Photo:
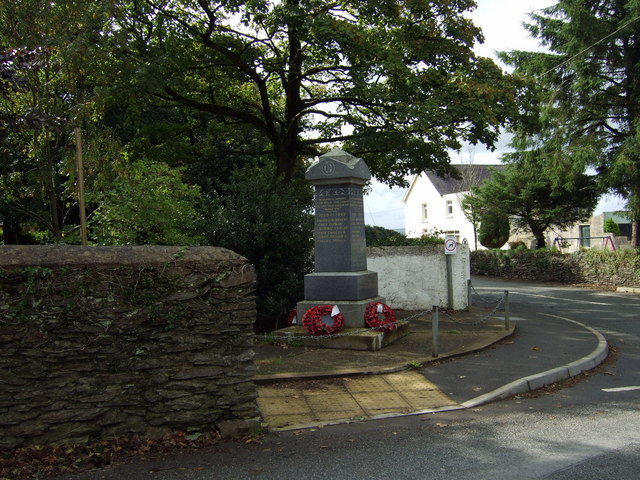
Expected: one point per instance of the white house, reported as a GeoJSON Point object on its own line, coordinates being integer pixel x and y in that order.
{"type": "Point", "coordinates": [433, 203]}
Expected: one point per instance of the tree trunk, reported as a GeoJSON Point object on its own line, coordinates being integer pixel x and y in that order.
{"type": "Point", "coordinates": [635, 233]}
{"type": "Point", "coordinates": [540, 240]}
{"type": "Point", "coordinates": [288, 157]}
{"type": "Point", "coordinates": [10, 231]}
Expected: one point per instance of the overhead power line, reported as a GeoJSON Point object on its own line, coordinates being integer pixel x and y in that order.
{"type": "Point", "coordinates": [591, 46]}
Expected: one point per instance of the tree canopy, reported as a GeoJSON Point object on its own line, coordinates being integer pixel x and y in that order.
{"type": "Point", "coordinates": [587, 88]}
{"type": "Point", "coordinates": [395, 82]}
{"type": "Point", "coordinates": [534, 198]}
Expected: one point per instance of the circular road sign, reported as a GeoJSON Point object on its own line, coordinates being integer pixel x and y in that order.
{"type": "Point", "coordinates": [450, 246]}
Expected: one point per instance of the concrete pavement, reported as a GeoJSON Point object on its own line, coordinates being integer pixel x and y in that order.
{"type": "Point", "coordinates": [479, 361]}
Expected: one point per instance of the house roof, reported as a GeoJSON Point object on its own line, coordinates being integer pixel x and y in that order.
{"type": "Point", "coordinates": [471, 175]}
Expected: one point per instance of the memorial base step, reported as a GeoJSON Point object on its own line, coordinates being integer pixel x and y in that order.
{"type": "Point", "coordinates": [348, 339]}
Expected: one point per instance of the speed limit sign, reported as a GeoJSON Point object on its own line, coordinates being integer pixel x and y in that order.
{"type": "Point", "coordinates": [450, 246]}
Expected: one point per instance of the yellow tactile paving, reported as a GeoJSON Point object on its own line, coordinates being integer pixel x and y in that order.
{"type": "Point", "coordinates": [382, 402]}
{"type": "Point", "coordinates": [367, 384]}
{"type": "Point", "coordinates": [409, 381]}
{"type": "Point", "coordinates": [373, 400]}
{"type": "Point", "coordinates": [325, 390]}
{"type": "Point", "coordinates": [331, 402]}
{"type": "Point", "coordinates": [347, 398]}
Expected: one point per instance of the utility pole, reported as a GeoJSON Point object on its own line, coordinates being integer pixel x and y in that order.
{"type": "Point", "coordinates": [80, 175]}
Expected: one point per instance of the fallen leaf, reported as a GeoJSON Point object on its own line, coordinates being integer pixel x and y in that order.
{"type": "Point", "coordinates": [462, 376]}
{"type": "Point", "coordinates": [477, 389]}
{"type": "Point", "coordinates": [536, 348]}
{"type": "Point", "coordinates": [442, 425]}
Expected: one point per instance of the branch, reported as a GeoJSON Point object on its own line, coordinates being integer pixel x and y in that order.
{"type": "Point", "coordinates": [226, 111]}
{"type": "Point", "coordinates": [316, 141]}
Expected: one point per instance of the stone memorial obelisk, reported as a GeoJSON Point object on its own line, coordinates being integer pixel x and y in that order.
{"type": "Point", "coordinates": [340, 276]}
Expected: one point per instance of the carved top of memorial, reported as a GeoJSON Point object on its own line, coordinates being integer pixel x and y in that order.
{"type": "Point", "coordinates": [338, 166]}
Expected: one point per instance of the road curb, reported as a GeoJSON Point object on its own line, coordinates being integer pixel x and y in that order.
{"type": "Point", "coordinates": [539, 380]}
{"type": "Point", "coordinates": [628, 289]}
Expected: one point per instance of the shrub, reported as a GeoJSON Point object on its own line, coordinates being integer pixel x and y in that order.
{"type": "Point", "coordinates": [610, 226]}
{"type": "Point", "coordinates": [270, 224]}
{"type": "Point", "coordinates": [517, 245]}
{"type": "Point", "coordinates": [494, 230]}
{"type": "Point", "coordinates": [383, 237]}
{"type": "Point", "coordinates": [148, 204]}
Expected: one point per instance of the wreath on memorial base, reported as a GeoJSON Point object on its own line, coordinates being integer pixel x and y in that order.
{"type": "Point", "coordinates": [314, 323]}
{"type": "Point", "coordinates": [292, 317]}
{"type": "Point", "coordinates": [372, 318]}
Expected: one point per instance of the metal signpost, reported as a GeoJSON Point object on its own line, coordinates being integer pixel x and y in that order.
{"type": "Point", "coordinates": [450, 248]}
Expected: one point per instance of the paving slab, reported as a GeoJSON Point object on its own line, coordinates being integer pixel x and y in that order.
{"type": "Point", "coordinates": [304, 402]}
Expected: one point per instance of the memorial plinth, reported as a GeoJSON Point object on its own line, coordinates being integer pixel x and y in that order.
{"type": "Point", "coordinates": [340, 276]}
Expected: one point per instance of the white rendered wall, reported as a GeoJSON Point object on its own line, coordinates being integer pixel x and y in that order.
{"type": "Point", "coordinates": [415, 278]}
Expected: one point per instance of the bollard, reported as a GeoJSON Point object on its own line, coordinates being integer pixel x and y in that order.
{"type": "Point", "coordinates": [507, 323]}
{"type": "Point", "coordinates": [469, 294]}
{"type": "Point", "coordinates": [435, 330]}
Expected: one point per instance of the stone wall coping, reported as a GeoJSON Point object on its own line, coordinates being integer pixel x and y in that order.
{"type": "Point", "coordinates": [419, 250]}
{"type": "Point", "coordinates": [43, 255]}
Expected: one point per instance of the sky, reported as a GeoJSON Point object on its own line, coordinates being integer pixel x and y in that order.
{"type": "Point", "coordinates": [501, 23]}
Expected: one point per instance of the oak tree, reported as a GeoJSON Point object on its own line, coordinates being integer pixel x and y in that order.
{"type": "Point", "coordinates": [395, 82]}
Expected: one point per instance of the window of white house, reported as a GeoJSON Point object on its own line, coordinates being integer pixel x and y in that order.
{"type": "Point", "coordinates": [449, 208]}
{"type": "Point", "coordinates": [452, 233]}
{"type": "Point", "coordinates": [424, 212]}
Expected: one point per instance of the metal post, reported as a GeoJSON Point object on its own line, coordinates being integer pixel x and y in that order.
{"type": "Point", "coordinates": [435, 330]}
{"type": "Point", "coordinates": [507, 323]}
{"type": "Point", "coordinates": [450, 280]}
{"type": "Point", "coordinates": [469, 294]}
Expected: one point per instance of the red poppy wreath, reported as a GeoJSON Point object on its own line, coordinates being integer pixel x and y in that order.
{"type": "Point", "coordinates": [291, 319]}
{"type": "Point", "coordinates": [372, 317]}
{"type": "Point", "coordinates": [320, 321]}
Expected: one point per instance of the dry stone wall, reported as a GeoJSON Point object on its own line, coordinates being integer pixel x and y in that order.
{"type": "Point", "coordinates": [595, 266]}
{"type": "Point", "coordinates": [97, 342]}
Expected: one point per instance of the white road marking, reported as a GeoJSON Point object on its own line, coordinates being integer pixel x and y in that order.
{"type": "Point", "coordinates": [560, 299]}
{"type": "Point", "coordinates": [620, 389]}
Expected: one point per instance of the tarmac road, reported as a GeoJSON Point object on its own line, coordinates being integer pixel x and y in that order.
{"type": "Point", "coordinates": [584, 431]}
